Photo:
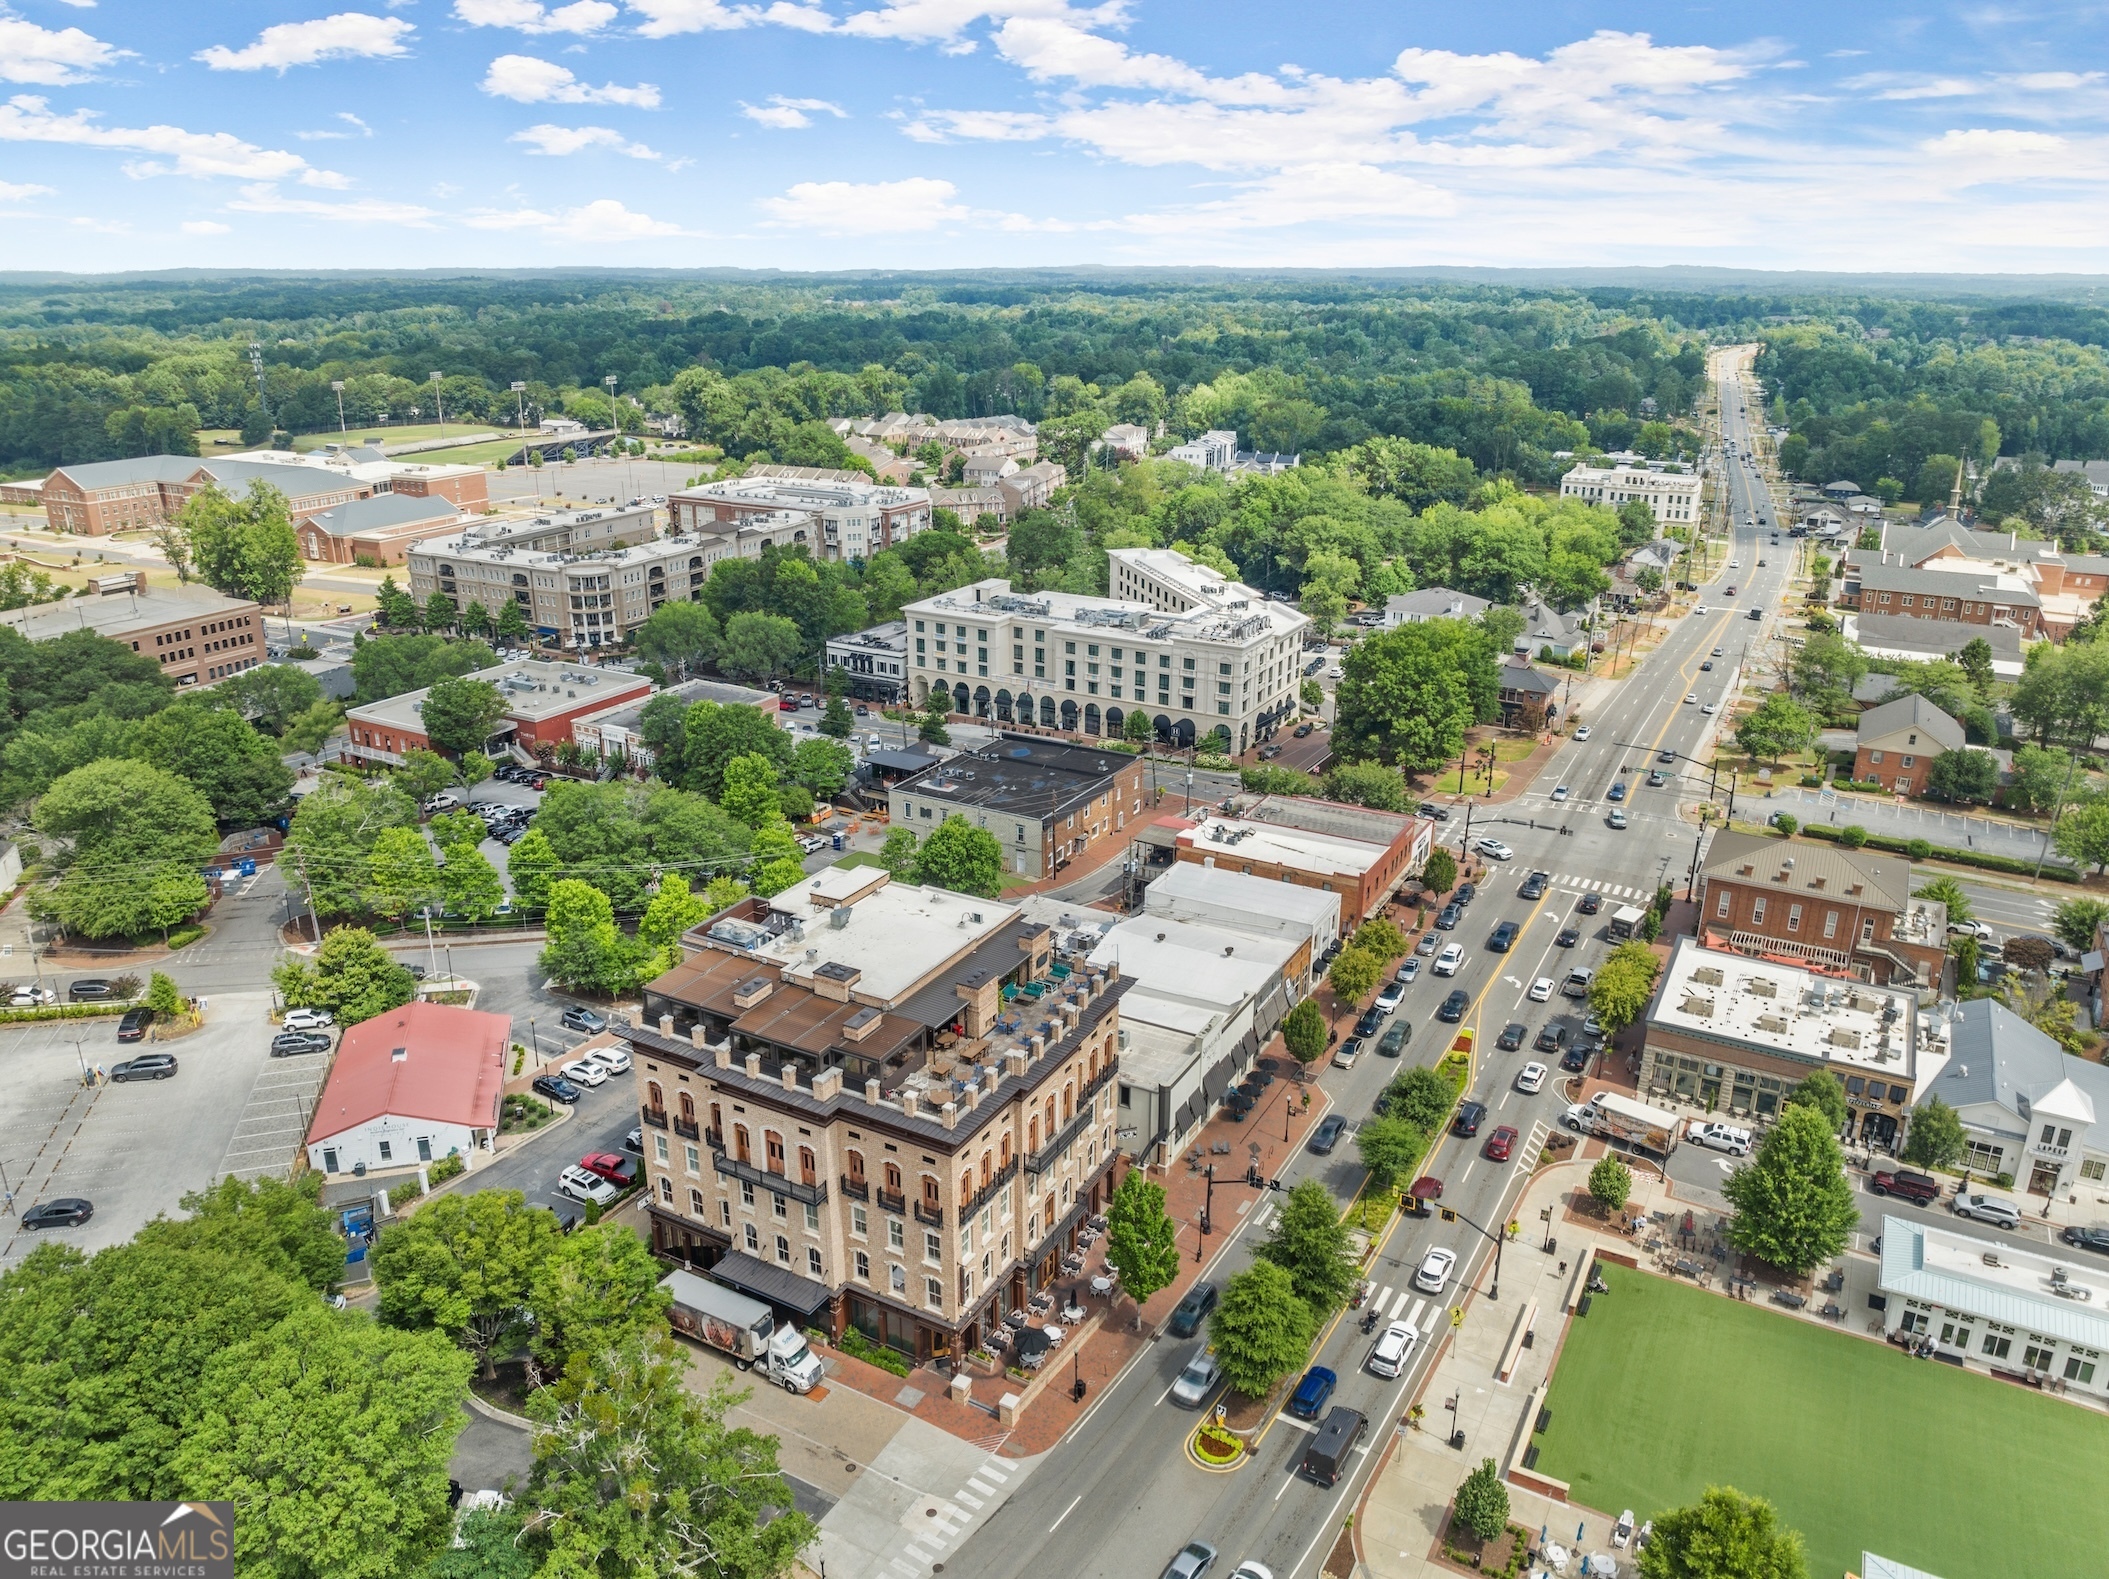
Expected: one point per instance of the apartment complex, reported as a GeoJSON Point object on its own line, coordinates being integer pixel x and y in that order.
{"type": "Point", "coordinates": [194, 633]}
{"type": "Point", "coordinates": [1176, 641]}
{"type": "Point", "coordinates": [998, 486]}
{"type": "Point", "coordinates": [583, 578]}
{"type": "Point", "coordinates": [834, 515]}
{"type": "Point", "coordinates": [1673, 496]}
{"type": "Point", "coordinates": [1047, 802]}
{"type": "Point", "coordinates": [878, 1105]}
{"type": "Point", "coordinates": [543, 705]}
{"type": "Point", "coordinates": [1845, 911]}
{"type": "Point", "coordinates": [1729, 1032]}
{"type": "Point", "coordinates": [1362, 856]}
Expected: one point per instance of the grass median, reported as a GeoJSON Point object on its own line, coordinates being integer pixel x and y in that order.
{"type": "Point", "coordinates": [1663, 1390]}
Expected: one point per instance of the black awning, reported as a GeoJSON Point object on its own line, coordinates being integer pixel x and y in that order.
{"type": "Point", "coordinates": [1217, 1080]}
{"type": "Point", "coordinates": [778, 1285]}
{"type": "Point", "coordinates": [1189, 1110]}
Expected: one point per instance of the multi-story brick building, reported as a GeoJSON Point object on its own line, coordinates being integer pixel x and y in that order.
{"type": "Point", "coordinates": [1047, 802]}
{"type": "Point", "coordinates": [1970, 595]}
{"type": "Point", "coordinates": [1176, 640]}
{"type": "Point", "coordinates": [133, 495]}
{"type": "Point", "coordinates": [1359, 854]}
{"type": "Point", "coordinates": [1899, 741]}
{"type": "Point", "coordinates": [877, 1105]}
{"type": "Point", "coordinates": [1850, 911]}
{"type": "Point", "coordinates": [543, 705]}
{"type": "Point", "coordinates": [380, 530]}
{"type": "Point", "coordinates": [195, 634]}
{"type": "Point", "coordinates": [2066, 587]}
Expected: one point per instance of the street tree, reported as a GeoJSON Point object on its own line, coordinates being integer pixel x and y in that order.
{"type": "Point", "coordinates": [755, 646]}
{"type": "Point", "coordinates": [164, 997]}
{"type": "Point", "coordinates": [440, 614]}
{"type": "Point", "coordinates": [1622, 986]}
{"type": "Point", "coordinates": [401, 875]}
{"type": "Point", "coordinates": [351, 975]}
{"type": "Point", "coordinates": [469, 884]}
{"type": "Point", "coordinates": [714, 734]}
{"type": "Point", "coordinates": [533, 866]}
{"type": "Point", "coordinates": [136, 838]}
{"type": "Point", "coordinates": [1778, 727]}
{"type": "Point", "coordinates": [1382, 937]}
{"type": "Point", "coordinates": [2082, 835]}
{"type": "Point", "coordinates": [585, 951]}
{"type": "Point", "coordinates": [466, 1265]}
{"type": "Point", "coordinates": [1610, 1182]}
{"type": "Point", "coordinates": [1482, 1501]}
{"type": "Point", "coordinates": [1304, 1032]}
{"type": "Point", "coordinates": [1391, 1149]}
{"type": "Point", "coordinates": [673, 910]}
{"type": "Point", "coordinates": [1421, 1097]}
{"type": "Point", "coordinates": [596, 1289]}
{"type": "Point", "coordinates": [1794, 1205]}
{"type": "Point", "coordinates": [1310, 1243]}
{"type": "Point", "coordinates": [836, 720]}
{"type": "Point", "coordinates": [1262, 1329]}
{"type": "Point", "coordinates": [1936, 1139]}
{"type": "Point", "coordinates": [962, 857]}
{"type": "Point", "coordinates": [1142, 1242]}
{"type": "Point", "coordinates": [1439, 872]}
{"type": "Point", "coordinates": [1353, 973]}
{"type": "Point", "coordinates": [1724, 1535]}
{"type": "Point", "coordinates": [634, 1473]}
{"type": "Point", "coordinates": [1819, 1089]}
{"type": "Point", "coordinates": [460, 714]}
{"type": "Point", "coordinates": [511, 623]}
{"type": "Point", "coordinates": [2077, 922]}
{"type": "Point", "coordinates": [681, 637]}
{"type": "Point", "coordinates": [1137, 729]}
{"type": "Point", "coordinates": [930, 727]}
{"type": "Point", "coordinates": [332, 1435]}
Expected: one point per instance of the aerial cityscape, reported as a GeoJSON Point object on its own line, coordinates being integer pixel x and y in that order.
{"type": "Point", "coordinates": [973, 790]}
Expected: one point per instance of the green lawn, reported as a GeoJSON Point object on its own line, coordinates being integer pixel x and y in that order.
{"type": "Point", "coordinates": [1663, 1390]}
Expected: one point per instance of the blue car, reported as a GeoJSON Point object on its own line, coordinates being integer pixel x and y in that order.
{"type": "Point", "coordinates": [1618, 791]}
{"type": "Point", "coordinates": [1308, 1401]}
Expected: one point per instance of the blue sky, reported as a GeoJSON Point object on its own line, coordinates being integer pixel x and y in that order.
{"type": "Point", "coordinates": [958, 133]}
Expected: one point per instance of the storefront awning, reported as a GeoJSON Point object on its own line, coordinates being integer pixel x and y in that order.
{"type": "Point", "coordinates": [778, 1285]}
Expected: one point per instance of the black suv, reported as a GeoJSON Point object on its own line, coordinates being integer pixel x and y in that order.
{"type": "Point", "coordinates": [1466, 893]}
{"type": "Point", "coordinates": [1453, 1008]}
{"type": "Point", "coordinates": [1370, 1024]}
{"type": "Point", "coordinates": [1192, 1311]}
{"type": "Point", "coordinates": [1504, 935]}
{"type": "Point", "coordinates": [1553, 1037]}
{"type": "Point", "coordinates": [1470, 1115]}
{"type": "Point", "coordinates": [1512, 1036]}
{"type": "Point", "coordinates": [132, 1028]}
{"type": "Point", "coordinates": [1591, 903]}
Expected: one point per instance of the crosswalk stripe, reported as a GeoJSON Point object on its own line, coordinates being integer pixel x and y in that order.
{"type": "Point", "coordinates": [990, 1469]}
{"type": "Point", "coordinates": [1404, 1295]}
{"type": "Point", "coordinates": [1414, 1320]}
{"type": "Point", "coordinates": [986, 1491]}
{"type": "Point", "coordinates": [1383, 1294]}
{"type": "Point", "coordinates": [969, 1499]}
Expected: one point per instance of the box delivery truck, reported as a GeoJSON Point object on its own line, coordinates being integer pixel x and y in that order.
{"type": "Point", "coordinates": [741, 1327]}
{"type": "Point", "coordinates": [1621, 1119]}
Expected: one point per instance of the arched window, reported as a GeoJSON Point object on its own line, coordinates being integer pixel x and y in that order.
{"type": "Point", "coordinates": [807, 1165]}
{"type": "Point", "coordinates": [1032, 1133]}
{"type": "Point", "coordinates": [775, 1145]}
{"type": "Point", "coordinates": [1068, 1102]}
{"type": "Point", "coordinates": [988, 1168]}
{"type": "Point", "coordinates": [1006, 1148]}
{"type": "Point", "coordinates": [695, 1203]}
{"type": "Point", "coordinates": [893, 1178]}
{"type": "Point", "coordinates": [742, 1148]}
{"type": "Point", "coordinates": [688, 1108]}
{"type": "Point", "coordinates": [717, 1122]}
{"type": "Point", "coordinates": [658, 1097]}
{"type": "Point", "coordinates": [966, 1187]}
{"type": "Point", "coordinates": [930, 1194]}
{"type": "Point", "coordinates": [783, 1249]}
{"type": "Point", "coordinates": [856, 1167]}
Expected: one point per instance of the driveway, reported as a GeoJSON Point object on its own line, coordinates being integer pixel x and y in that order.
{"type": "Point", "coordinates": [136, 1150]}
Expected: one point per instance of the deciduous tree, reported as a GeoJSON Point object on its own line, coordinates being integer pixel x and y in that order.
{"type": "Point", "coordinates": [1936, 1139]}
{"type": "Point", "coordinates": [1310, 1244]}
{"type": "Point", "coordinates": [138, 838]}
{"type": "Point", "coordinates": [962, 857]}
{"type": "Point", "coordinates": [1439, 872]}
{"type": "Point", "coordinates": [533, 866]}
{"type": "Point", "coordinates": [351, 975]}
{"type": "Point", "coordinates": [1390, 1148]}
{"type": "Point", "coordinates": [1353, 973]}
{"type": "Point", "coordinates": [466, 1265]}
{"type": "Point", "coordinates": [401, 875]}
{"type": "Point", "coordinates": [1261, 1329]}
{"type": "Point", "coordinates": [596, 1289]}
{"type": "Point", "coordinates": [1724, 1535]}
{"type": "Point", "coordinates": [1621, 988]}
{"type": "Point", "coordinates": [1966, 775]}
{"type": "Point", "coordinates": [1794, 1206]}
{"type": "Point", "coordinates": [585, 950]}
{"type": "Point", "coordinates": [460, 714]}
{"type": "Point", "coordinates": [1819, 1089]}
{"type": "Point", "coordinates": [681, 637]}
{"type": "Point", "coordinates": [1610, 1182]}
{"type": "Point", "coordinates": [1410, 694]}
{"type": "Point", "coordinates": [469, 884]}
{"type": "Point", "coordinates": [1304, 1032]}
{"type": "Point", "coordinates": [1482, 1501]}
{"type": "Point", "coordinates": [1141, 1240]}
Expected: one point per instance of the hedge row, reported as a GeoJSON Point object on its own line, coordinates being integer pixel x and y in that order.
{"type": "Point", "coordinates": [68, 1011]}
{"type": "Point", "coordinates": [1921, 850]}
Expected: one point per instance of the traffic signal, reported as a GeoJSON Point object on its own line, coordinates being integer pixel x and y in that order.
{"type": "Point", "coordinates": [1449, 1216]}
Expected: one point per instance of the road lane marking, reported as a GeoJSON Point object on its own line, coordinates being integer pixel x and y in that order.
{"type": "Point", "coordinates": [986, 1491]}
{"type": "Point", "coordinates": [1069, 1510]}
{"type": "Point", "coordinates": [1414, 1321]}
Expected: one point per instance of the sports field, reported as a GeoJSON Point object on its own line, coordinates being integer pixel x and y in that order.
{"type": "Point", "coordinates": [1663, 1390]}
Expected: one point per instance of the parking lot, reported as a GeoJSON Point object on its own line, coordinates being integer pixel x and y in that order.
{"type": "Point", "coordinates": [135, 1150]}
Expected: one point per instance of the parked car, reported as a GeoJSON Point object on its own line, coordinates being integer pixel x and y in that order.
{"type": "Point", "coordinates": [1499, 1144]}
{"type": "Point", "coordinates": [1347, 1052]}
{"type": "Point", "coordinates": [1730, 1138]}
{"type": "Point", "coordinates": [1194, 1560]}
{"type": "Point", "coordinates": [1395, 1039]}
{"type": "Point", "coordinates": [584, 1072]}
{"type": "Point", "coordinates": [1408, 972]}
{"type": "Point", "coordinates": [1432, 1276]}
{"type": "Point", "coordinates": [1541, 990]}
{"type": "Point", "coordinates": [1987, 1209]}
{"type": "Point", "coordinates": [1392, 995]}
{"type": "Point", "coordinates": [1370, 1024]}
{"type": "Point", "coordinates": [587, 1020]}
{"type": "Point", "coordinates": [309, 1019]}
{"type": "Point", "coordinates": [1576, 1059]}
{"type": "Point", "coordinates": [69, 1211]}
{"type": "Point", "coordinates": [1393, 1349]}
{"type": "Point", "coordinates": [1193, 1310]}
{"type": "Point", "coordinates": [1197, 1381]}
{"type": "Point", "coordinates": [2091, 1238]}
{"type": "Point", "coordinates": [132, 1028]}
{"type": "Point", "coordinates": [617, 1169]}
{"type": "Point", "coordinates": [1530, 1079]}
{"type": "Point", "coordinates": [1466, 893]}
{"type": "Point", "coordinates": [634, 1142]}
{"type": "Point", "coordinates": [147, 1066]}
{"type": "Point", "coordinates": [580, 1185]}
{"type": "Point", "coordinates": [1426, 946]}
{"type": "Point", "coordinates": [1503, 936]}
{"type": "Point", "coordinates": [556, 1089]}
{"type": "Point", "coordinates": [1512, 1036]}
{"type": "Point", "coordinates": [1920, 1187]}
{"type": "Point", "coordinates": [90, 989]}
{"type": "Point", "coordinates": [1327, 1135]}
{"type": "Point", "coordinates": [32, 997]}
{"type": "Point", "coordinates": [1447, 918]}
{"type": "Point", "coordinates": [615, 1060]}
{"type": "Point", "coordinates": [1310, 1395]}
{"type": "Point", "coordinates": [1446, 963]}
{"type": "Point", "coordinates": [1470, 1115]}
{"type": "Point", "coordinates": [293, 1044]}
{"type": "Point", "coordinates": [1453, 1008]}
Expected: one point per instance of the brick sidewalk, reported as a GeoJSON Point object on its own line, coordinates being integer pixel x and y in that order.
{"type": "Point", "coordinates": [1114, 1330]}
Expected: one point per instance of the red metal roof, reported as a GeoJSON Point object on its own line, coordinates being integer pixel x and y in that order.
{"type": "Point", "coordinates": [452, 1069]}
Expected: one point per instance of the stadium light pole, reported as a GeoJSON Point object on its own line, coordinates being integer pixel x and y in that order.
{"type": "Point", "coordinates": [439, 404]}
{"type": "Point", "coordinates": [337, 388]}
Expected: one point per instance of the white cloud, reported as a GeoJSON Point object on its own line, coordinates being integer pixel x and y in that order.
{"type": "Point", "coordinates": [789, 114]}
{"type": "Point", "coordinates": [666, 18]}
{"type": "Point", "coordinates": [267, 199]}
{"type": "Point", "coordinates": [526, 16]}
{"type": "Point", "coordinates": [204, 227]}
{"type": "Point", "coordinates": [874, 208]}
{"type": "Point", "coordinates": [527, 80]}
{"type": "Point", "coordinates": [1992, 143]}
{"type": "Point", "coordinates": [604, 219]}
{"type": "Point", "coordinates": [349, 35]}
{"type": "Point", "coordinates": [50, 58]}
{"type": "Point", "coordinates": [560, 140]}
{"type": "Point", "coordinates": [358, 129]}
{"type": "Point", "coordinates": [28, 119]}
{"type": "Point", "coordinates": [13, 191]}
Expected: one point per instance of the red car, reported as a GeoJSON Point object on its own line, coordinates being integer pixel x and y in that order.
{"type": "Point", "coordinates": [612, 1166]}
{"type": "Point", "coordinates": [1500, 1144]}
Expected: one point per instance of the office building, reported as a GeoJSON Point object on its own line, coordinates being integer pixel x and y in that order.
{"type": "Point", "coordinates": [196, 635]}
{"type": "Point", "coordinates": [834, 515]}
{"type": "Point", "coordinates": [1672, 495]}
{"type": "Point", "coordinates": [1836, 909]}
{"type": "Point", "coordinates": [1047, 802]}
{"type": "Point", "coordinates": [543, 705]}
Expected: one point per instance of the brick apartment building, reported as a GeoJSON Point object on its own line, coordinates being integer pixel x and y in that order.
{"type": "Point", "coordinates": [1047, 802]}
{"type": "Point", "coordinates": [875, 1105]}
{"type": "Point", "coordinates": [543, 704]}
{"type": "Point", "coordinates": [1359, 854]}
{"type": "Point", "coordinates": [1899, 742]}
{"type": "Point", "coordinates": [195, 634]}
{"type": "Point", "coordinates": [1992, 597]}
{"type": "Point", "coordinates": [1849, 912]}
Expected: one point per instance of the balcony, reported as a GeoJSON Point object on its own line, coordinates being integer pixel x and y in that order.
{"type": "Point", "coordinates": [1046, 1157]}
{"type": "Point", "coordinates": [812, 1193]}
{"type": "Point", "coordinates": [989, 1191]}
{"type": "Point", "coordinates": [926, 1213]}
{"type": "Point", "coordinates": [714, 1139]}
{"type": "Point", "coordinates": [856, 1189]}
{"type": "Point", "coordinates": [688, 1129]}
{"type": "Point", "coordinates": [655, 1116]}
{"type": "Point", "coordinates": [890, 1202]}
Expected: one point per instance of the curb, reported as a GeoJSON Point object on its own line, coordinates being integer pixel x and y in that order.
{"type": "Point", "coordinates": [493, 1412]}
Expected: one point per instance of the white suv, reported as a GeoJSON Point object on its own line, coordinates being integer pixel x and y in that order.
{"type": "Point", "coordinates": [1394, 1348]}
{"type": "Point", "coordinates": [580, 1185]}
{"type": "Point", "coordinates": [1446, 963]}
{"type": "Point", "coordinates": [1719, 1137]}
{"type": "Point", "coordinates": [309, 1020]}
